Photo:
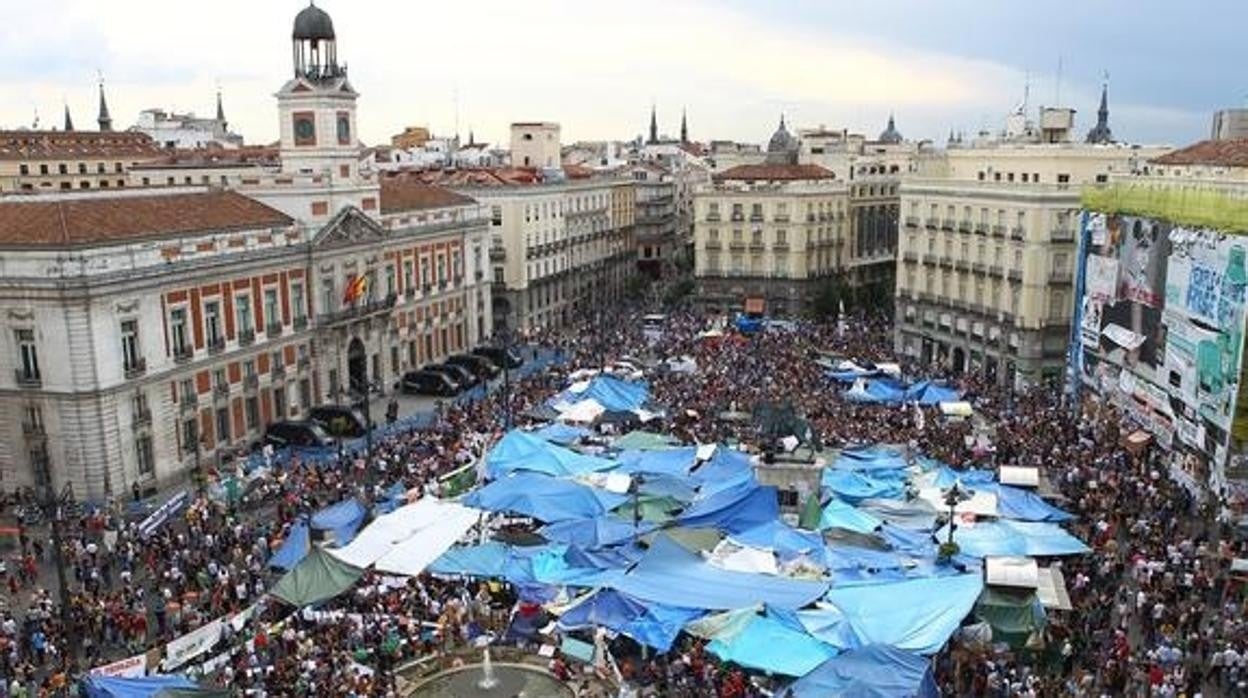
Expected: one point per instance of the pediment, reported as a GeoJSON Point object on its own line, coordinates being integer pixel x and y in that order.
{"type": "Point", "coordinates": [350, 226]}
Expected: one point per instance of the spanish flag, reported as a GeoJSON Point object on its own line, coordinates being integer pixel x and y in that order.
{"type": "Point", "coordinates": [356, 288]}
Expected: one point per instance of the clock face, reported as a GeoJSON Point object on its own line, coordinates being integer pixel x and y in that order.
{"type": "Point", "coordinates": [305, 131]}
{"type": "Point", "coordinates": [344, 130]}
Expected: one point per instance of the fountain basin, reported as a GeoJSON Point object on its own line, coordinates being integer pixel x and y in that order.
{"type": "Point", "coordinates": [512, 680]}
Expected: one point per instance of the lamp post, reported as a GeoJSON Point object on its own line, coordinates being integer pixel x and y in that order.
{"type": "Point", "coordinates": [953, 496]}
{"type": "Point", "coordinates": [54, 507]}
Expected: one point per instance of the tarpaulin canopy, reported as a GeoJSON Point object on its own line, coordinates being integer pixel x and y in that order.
{"type": "Point", "coordinates": [521, 451]}
{"type": "Point", "coordinates": [294, 548]}
{"type": "Point", "coordinates": [319, 577]}
{"type": "Point", "coordinates": [488, 559]}
{"type": "Point", "coordinates": [1025, 505]}
{"type": "Point", "coordinates": [669, 574]}
{"type": "Point", "coordinates": [872, 671]}
{"type": "Point", "coordinates": [582, 412]}
{"type": "Point", "coordinates": [594, 533]}
{"type": "Point", "coordinates": [917, 614]}
{"type": "Point", "coordinates": [876, 390]}
{"type": "Point", "coordinates": [1013, 614]}
{"type": "Point", "coordinates": [562, 434]}
{"type": "Point", "coordinates": [544, 498]}
{"type": "Point", "coordinates": [655, 625]}
{"type": "Point", "coordinates": [773, 644]}
{"type": "Point", "coordinates": [428, 515]}
{"type": "Point", "coordinates": [786, 541]}
{"type": "Point", "coordinates": [839, 514]}
{"type": "Point", "coordinates": [853, 487]}
{"type": "Point", "coordinates": [1014, 538]}
{"type": "Point", "coordinates": [733, 510]}
{"type": "Point", "coordinates": [645, 441]}
{"type": "Point", "coordinates": [870, 458]}
{"type": "Point", "coordinates": [676, 461]}
{"type": "Point", "coordinates": [915, 514]}
{"type": "Point", "coordinates": [609, 391]}
{"type": "Point", "coordinates": [725, 469]}
{"type": "Point", "coordinates": [133, 687]}
{"type": "Point", "coordinates": [929, 393]}
{"type": "Point", "coordinates": [343, 519]}
{"type": "Point", "coordinates": [732, 556]}
{"type": "Point", "coordinates": [655, 509]}
{"type": "Point", "coordinates": [410, 556]}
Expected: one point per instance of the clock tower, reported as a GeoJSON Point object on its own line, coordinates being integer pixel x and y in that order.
{"type": "Point", "coordinates": [317, 105]}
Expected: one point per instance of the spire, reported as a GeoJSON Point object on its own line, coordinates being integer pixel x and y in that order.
{"type": "Point", "coordinates": [654, 126]}
{"type": "Point", "coordinates": [221, 113]}
{"type": "Point", "coordinates": [1101, 133]}
{"type": "Point", "coordinates": [471, 141]}
{"type": "Point", "coordinates": [684, 127]}
{"type": "Point", "coordinates": [69, 122]}
{"type": "Point", "coordinates": [105, 121]}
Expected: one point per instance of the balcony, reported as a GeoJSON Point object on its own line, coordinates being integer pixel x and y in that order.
{"type": "Point", "coordinates": [478, 275]}
{"type": "Point", "coordinates": [810, 218]}
{"type": "Point", "coordinates": [33, 429]}
{"type": "Point", "coordinates": [737, 245]}
{"type": "Point", "coordinates": [910, 256]}
{"type": "Point", "coordinates": [251, 382]}
{"type": "Point", "coordinates": [409, 292]}
{"type": "Point", "coordinates": [1060, 277]}
{"type": "Point", "coordinates": [216, 345]}
{"type": "Point", "coordinates": [979, 268]}
{"type": "Point", "coordinates": [758, 246]}
{"type": "Point", "coordinates": [303, 363]}
{"type": "Point", "coordinates": [714, 245]}
{"type": "Point", "coordinates": [272, 330]}
{"type": "Point", "coordinates": [278, 371]}
{"type": "Point", "coordinates": [780, 247]}
{"type": "Point", "coordinates": [930, 224]}
{"type": "Point", "coordinates": [981, 229]}
{"type": "Point", "coordinates": [781, 218]}
{"type": "Point", "coordinates": [712, 218]}
{"type": "Point", "coordinates": [182, 353]}
{"type": "Point", "coordinates": [946, 224]}
{"type": "Point", "coordinates": [498, 254]}
{"type": "Point", "coordinates": [756, 217]}
{"type": "Point", "coordinates": [964, 227]}
{"type": "Point", "coordinates": [1016, 275]}
{"type": "Point", "coordinates": [221, 390]}
{"type": "Point", "coordinates": [357, 312]}
{"type": "Point", "coordinates": [246, 337]}
{"type": "Point", "coordinates": [996, 270]}
{"type": "Point", "coordinates": [929, 258]}
{"type": "Point", "coordinates": [142, 417]}
{"type": "Point", "coordinates": [912, 221]}
{"type": "Point", "coordinates": [135, 368]}
{"type": "Point", "coordinates": [961, 265]}
{"type": "Point", "coordinates": [946, 262]}
{"type": "Point", "coordinates": [737, 217]}
{"type": "Point", "coordinates": [1016, 233]}
{"type": "Point", "coordinates": [1061, 236]}
{"type": "Point", "coordinates": [27, 378]}
{"type": "Point", "coordinates": [188, 403]}
{"type": "Point", "coordinates": [998, 231]}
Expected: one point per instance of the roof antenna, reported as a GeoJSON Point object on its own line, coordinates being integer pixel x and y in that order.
{"type": "Point", "coordinates": [1057, 94]}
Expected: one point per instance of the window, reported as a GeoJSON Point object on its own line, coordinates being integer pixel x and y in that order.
{"type": "Point", "coordinates": [272, 314]}
{"type": "Point", "coordinates": [190, 435]}
{"type": "Point", "coordinates": [713, 234]}
{"type": "Point", "coordinates": [219, 380]}
{"type": "Point", "coordinates": [212, 322]}
{"type": "Point", "coordinates": [298, 307]}
{"type": "Point", "coordinates": [82, 168]}
{"type": "Point", "coordinates": [441, 269]}
{"type": "Point", "coordinates": [424, 271]}
{"type": "Point", "coordinates": [781, 238]}
{"type": "Point", "coordinates": [99, 168]}
{"type": "Point", "coordinates": [242, 314]}
{"type": "Point", "coordinates": [327, 294]}
{"type": "Point", "coordinates": [390, 280]}
{"type": "Point", "coordinates": [1057, 307]}
{"type": "Point", "coordinates": [408, 279]}
{"type": "Point", "coordinates": [223, 425]}
{"type": "Point", "coordinates": [782, 265]}
{"type": "Point", "coordinates": [1059, 263]}
{"type": "Point", "coordinates": [736, 235]}
{"type": "Point", "coordinates": [177, 332]}
{"type": "Point", "coordinates": [143, 455]}
{"type": "Point", "coordinates": [496, 215]}
{"type": "Point", "coordinates": [1102, 178]}
{"type": "Point", "coordinates": [29, 355]}
{"type": "Point", "coordinates": [24, 169]}
{"type": "Point", "coordinates": [249, 368]}
{"type": "Point", "coordinates": [130, 353]}
{"type": "Point", "coordinates": [305, 394]}
{"type": "Point", "coordinates": [279, 401]}
{"type": "Point", "coordinates": [43, 169]}
{"type": "Point", "coordinates": [252, 411]}
{"type": "Point", "coordinates": [187, 390]}
{"type": "Point", "coordinates": [1063, 179]}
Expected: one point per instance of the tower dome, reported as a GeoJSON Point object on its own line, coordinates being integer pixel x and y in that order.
{"type": "Point", "coordinates": [314, 24]}
{"type": "Point", "coordinates": [890, 134]}
{"type": "Point", "coordinates": [782, 148]}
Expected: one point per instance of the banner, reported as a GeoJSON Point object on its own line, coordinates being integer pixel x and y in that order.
{"type": "Point", "coordinates": [157, 518]}
{"type": "Point", "coordinates": [1102, 278]}
{"type": "Point", "coordinates": [183, 649]}
{"type": "Point", "coordinates": [128, 668]}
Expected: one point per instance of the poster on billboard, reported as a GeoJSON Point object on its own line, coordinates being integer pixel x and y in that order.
{"type": "Point", "coordinates": [1142, 245]}
{"type": "Point", "coordinates": [1102, 278]}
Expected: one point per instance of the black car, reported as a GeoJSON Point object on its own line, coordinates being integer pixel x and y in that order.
{"type": "Point", "coordinates": [464, 378]}
{"type": "Point", "coordinates": [339, 420]}
{"type": "Point", "coordinates": [499, 356]}
{"type": "Point", "coordinates": [307, 433]}
{"type": "Point", "coordinates": [428, 383]}
{"type": "Point", "coordinates": [483, 367]}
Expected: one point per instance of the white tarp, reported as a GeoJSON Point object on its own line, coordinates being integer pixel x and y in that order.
{"type": "Point", "coordinates": [388, 531]}
{"type": "Point", "coordinates": [1019, 476]}
{"type": "Point", "coordinates": [980, 504]}
{"type": "Point", "coordinates": [956, 409]}
{"type": "Point", "coordinates": [743, 558]}
{"type": "Point", "coordinates": [583, 412]}
{"type": "Point", "coordinates": [1123, 337]}
{"type": "Point", "coordinates": [1017, 572]}
{"type": "Point", "coordinates": [427, 544]}
{"type": "Point", "coordinates": [1051, 589]}
{"type": "Point", "coordinates": [181, 650]}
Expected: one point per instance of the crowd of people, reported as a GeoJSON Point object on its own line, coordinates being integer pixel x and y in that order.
{"type": "Point", "coordinates": [1157, 610]}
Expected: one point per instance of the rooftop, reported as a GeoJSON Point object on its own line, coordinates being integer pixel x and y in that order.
{"type": "Point", "coordinates": [775, 172]}
{"type": "Point", "coordinates": [1221, 153]}
{"type": "Point", "coordinates": [83, 221]}
{"type": "Point", "coordinates": [68, 145]}
{"type": "Point", "coordinates": [246, 156]}
{"type": "Point", "coordinates": [406, 192]}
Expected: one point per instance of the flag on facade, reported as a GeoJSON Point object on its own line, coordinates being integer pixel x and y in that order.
{"type": "Point", "coordinates": [356, 289]}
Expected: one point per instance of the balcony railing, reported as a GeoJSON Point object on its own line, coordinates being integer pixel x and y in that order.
{"type": "Point", "coordinates": [714, 245]}
{"type": "Point", "coordinates": [910, 256]}
{"type": "Point", "coordinates": [33, 429]}
{"type": "Point", "coordinates": [357, 312]}
{"type": "Point", "coordinates": [188, 403]}
{"type": "Point", "coordinates": [221, 390]}
{"type": "Point", "coordinates": [303, 363]}
{"type": "Point", "coordinates": [961, 265]}
{"type": "Point", "coordinates": [757, 246]}
{"type": "Point", "coordinates": [1058, 235]}
{"type": "Point", "coordinates": [273, 329]}
{"type": "Point", "coordinates": [756, 217]}
{"type": "Point", "coordinates": [912, 221]}
{"type": "Point", "coordinates": [27, 378]}
{"type": "Point", "coordinates": [737, 217]}
{"type": "Point", "coordinates": [930, 224]}
{"type": "Point", "coordinates": [998, 231]}
{"type": "Point", "coordinates": [182, 353]}
{"type": "Point", "coordinates": [278, 371]}
{"type": "Point", "coordinates": [246, 337]}
{"type": "Point", "coordinates": [216, 345]}
{"type": "Point", "coordinates": [946, 224]}
{"type": "Point", "coordinates": [498, 254]}
{"type": "Point", "coordinates": [964, 226]}
{"type": "Point", "coordinates": [780, 247]}
{"type": "Point", "coordinates": [1060, 276]}
{"type": "Point", "coordinates": [929, 258]}
{"type": "Point", "coordinates": [1015, 274]}
{"type": "Point", "coordinates": [142, 417]}
{"type": "Point", "coordinates": [135, 368]}
{"type": "Point", "coordinates": [1016, 233]}
{"type": "Point", "coordinates": [713, 218]}
{"type": "Point", "coordinates": [736, 245]}
{"type": "Point", "coordinates": [981, 228]}
{"type": "Point", "coordinates": [979, 267]}
{"type": "Point", "coordinates": [995, 270]}
{"type": "Point", "coordinates": [251, 382]}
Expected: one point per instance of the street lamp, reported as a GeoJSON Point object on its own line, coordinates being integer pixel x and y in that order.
{"type": "Point", "coordinates": [953, 497]}
{"type": "Point", "coordinates": [54, 506]}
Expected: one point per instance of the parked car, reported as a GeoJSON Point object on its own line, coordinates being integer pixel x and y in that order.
{"type": "Point", "coordinates": [500, 356]}
{"type": "Point", "coordinates": [464, 378]}
{"type": "Point", "coordinates": [481, 366]}
{"type": "Point", "coordinates": [427, 383]}
{"type": "Point", "coordinates": [305, 433]}
{"type": "Point", "coordinates": [339, 420]}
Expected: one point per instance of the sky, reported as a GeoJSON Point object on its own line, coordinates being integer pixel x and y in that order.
{"type": "Point", "coordinates": [597, 67]}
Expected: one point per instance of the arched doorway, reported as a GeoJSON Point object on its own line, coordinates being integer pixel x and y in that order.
{"type": "Point", "coordinates": [357, 366]}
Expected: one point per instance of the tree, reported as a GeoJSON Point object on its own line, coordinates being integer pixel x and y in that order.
{"type": "Point", "coordinates": [829, 296]}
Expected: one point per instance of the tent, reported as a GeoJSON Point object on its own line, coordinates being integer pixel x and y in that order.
{"type": "Point", "coordinates": [133, 687]}
{"type": "Point", "coordinates": [929, 393]}
{"type": "Point", "coordinates": [854, 487]}
{"type": "Point", "coordinates": [695, 540]}
{"type": "Point", "coordinates": [915, 514]}
{"type": "Point", "coordinates": [872, 671]}
{"type": "Point", "coordinates": [408, 532]}
{"type": "Point", "coordinates": [294, 548]}
{"type": "Point", "coordinates": [410, 556]}
{"type": "Point", "coordinates": [544, 498]}
{"type": "Point", "coordinates": [653, 508]}
{"type": "Point", "coordinates": [644, 441]}
{"type": "Point", "coordinates": [655, 625]}
{"type": "Point", "coordinates": [610, 392]}
{"type": "Point", "coordinates": [669, 574]}
{"type": "Point", "coordinates": [594, 533]}
{"type": "Point", "coordinates": [488, 559]}
{"type": "Point", "coordinates": [774, 643]}
{"type": "Point", "coordinates": [870, 459]}
{"type": "Point", "coordinates": [839, 514]}
{"type": "Point", "coordinates": [343, 518]}
{"type": "Point", "coordinates": [737, 509]}
{"type": "Point", "coordinates": [319, 577]}
{"type": "Point", "coordinates": [1005, 538]}
{"type": "Point", "coordinates": [917, 615]}
{"type": "Point", "coordinates": [676, 461]}
{"type": "Point", "coordinates": [582, 412]}
{"type": "Point", "coordinates": [1025, 505]}
{"type": "Point", "coordinates": [562, 434]}
{"type": "Point", "coordinates": [787, 542]}
{"type": "Point", "coordinates": [521, 451]}
{"type": "Point", "coordinates": [1014, 614]}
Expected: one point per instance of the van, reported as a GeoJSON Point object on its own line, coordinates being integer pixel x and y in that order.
{"type": "Point", "coordinates": [481, 366]}
{"type": "Point", "coordinates": [339, 420]}
{"type": "Point", "coordinates": [427, 383]}
{"type": "Point", "coordinates": [293, 433]}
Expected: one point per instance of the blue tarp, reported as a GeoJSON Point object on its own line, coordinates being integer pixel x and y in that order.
{"type": "Point", "coordinates": [293, 549]}
{"type": "Point", "coordinates": [737, 509]}
{"type": "Point", "coordinates": [675, 462]}
{"type": "Point", "coordinates": [870, 459]}
{"type": "Point", "coordinates": [672, 575]}
{"type": "Point", "coordinates": [915, 514]}
{"type": "Point", "coordinates": [615, 394]}
{"type": "Point", "coordinates": [787, 542]}
{"type": "Point", "coordinates": [396, 497]}
{"type": "Point", "coordinates": [598, 532]}
{"type": "Point", "coordinates": [1014, 538]}
{"type": "Point", "coordinates": [877, 390]}
{"type": "Point", "coordinates": [854, 487]}
{"type": "Point", "coordinates": [772, 644]}
{"type": "Point", "coordinates": [929, 393]}
{"type": "Point", "coordinates": [971, 478]}
{"type": "Point", "coordinates": [873, 671]}
{"type": "Point", "coordinates": [651, 624]}
{"type": "Point", "coordinates": [520, 451]}
{"type": "Point", "coordinates": [917, 615]}
{"type": "Point", "coordinates": [851, 375]}
{"type": "Point", "coordinates": [905, 541]}
{"type": "Point", "coordinates": [748, 325]}
{"type": "Point", "coordinates": [562, 434]}
{"type": "Point", "coordinates": [488, 559]}
{"type": "Point", "coordinates": [137, 687]}
{"type": "Point", "coordinates": [544, 498]}
{"type": "Point", "coordinates": [1024, 505]}
{"type": "Point", "coordinates": [726, 469]}
{"type": "Point", "coordinates": [839, 514]}
{"type": "Point", "coordinates": [343, 518]}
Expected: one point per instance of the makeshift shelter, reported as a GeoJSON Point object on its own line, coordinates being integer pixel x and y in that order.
{"type": "Point", "coordinates": [917, 615]}
{"type": "Point", "coordinates": [695, 540]}
{"type": "Point", "coordinates": [1014, 614]}
{"type": "Point", "coordinates": [342, 520]}
{"type": "Point", "coordinates": [488, 559]}
{"type": "Point", "coordinates": [654, 509]}
{"type": "Point", "coordinates": [319, 577]}
{"type": "Point", "coordinates": [839, 514]}
{"type": "Point", "coordinates": [854, 487]}
{"type": "Point", "coordinates": [594, 533]}
{"type": "Point", "coordinates": [544, 498]}
{"type": "Point", "coordinates": [609, 391]}
{"type": "Point", "coordinates": [294, 548]}
{"type": "Point", "coordinates": [582, 412]}
{"type": "Point", "coordinates": [645, 441]}
{"type": "Point", "coordinates": [676, 461]}
{"type": "Point", "coordinates": [771, 642]}
{"type": "Point", "coordinates": [655, 625]}
{"type": "Point", "coordinates": [736, 509]}
{"type": "Point", "coordinates": [1006, 538]}
{"type": "Point", "coordinates": [871, 671]}
{"type": "Point", "coordinates": [520, 451]}
{"type": "Point", "coordinates": [133, 687]}
{"type": "Point", "coordinates": [562, 434]}
{"type": "Point", "coordinates": [407, 539]}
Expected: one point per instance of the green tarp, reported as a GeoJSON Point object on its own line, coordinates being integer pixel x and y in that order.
{"type": "Point", "coordinates": [1013, 615]}
{"type": "Point", "coordinates": [654, 508]}
{"type": "Point", "coordinates": [644, 441]}
{"type": "Point", "coordinates": [694, 540]}
{"type": "Point", "coordinates": [318, 577]}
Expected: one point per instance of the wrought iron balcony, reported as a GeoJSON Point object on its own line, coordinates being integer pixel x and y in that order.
{"type": "Point", "coordinates": [357, 312]}
{"type": "Point", "coordinates": [182, 353]}
{"type": "Point", "coordinates": [273, 329]}
{"type": "Point", "coordinates": [216, 345]}
{"type": "Point", "coordinates": [27, 378]}
{"type": "Point", "coordinates": [300, 323]}
{"type": "Point", "coordinates": [246, 337]}
{"type": "Point", "coordinates": [142, 417]}
{"type": "Point", "coordinates": [136, 368]}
